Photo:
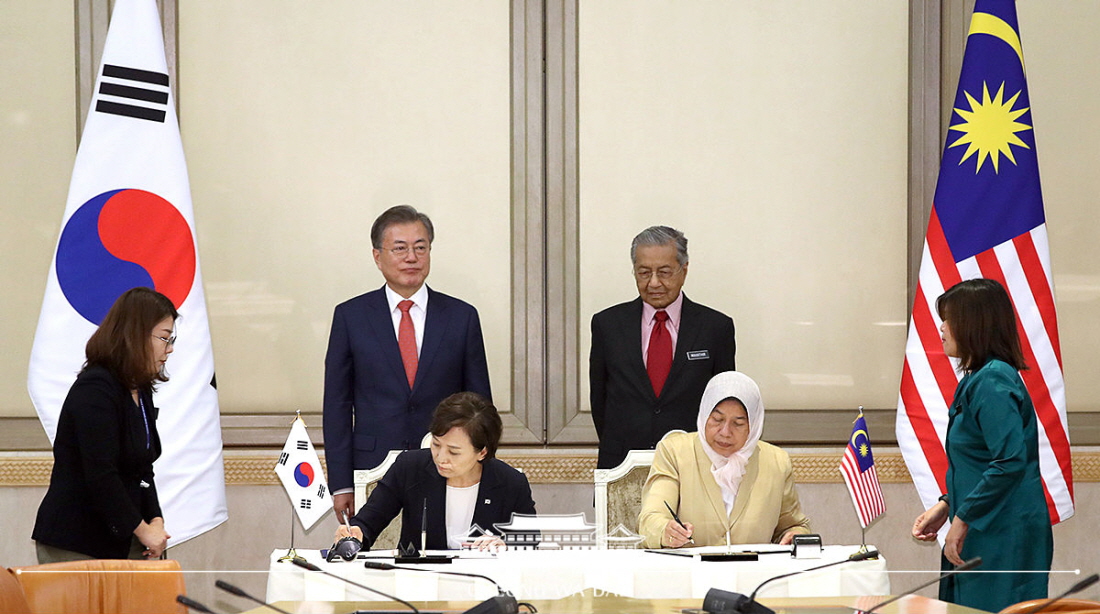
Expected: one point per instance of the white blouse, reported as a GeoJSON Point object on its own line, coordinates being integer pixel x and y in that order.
{"type": "Point", "coordinates": [460, 513]}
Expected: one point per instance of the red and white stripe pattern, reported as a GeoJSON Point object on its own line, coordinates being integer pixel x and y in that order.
{"type": "Point", "coordinates": [864, 488]}
{"type": "Point", "coordinates": [929, 378]}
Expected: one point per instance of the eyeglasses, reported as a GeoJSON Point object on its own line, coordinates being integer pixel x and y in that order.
{"type": "Point", "coordinates": [403, 250]}
{"type": "Point", "coordinates": [663, 273]}
{"type": "Point", "coordinates": [168, 341]}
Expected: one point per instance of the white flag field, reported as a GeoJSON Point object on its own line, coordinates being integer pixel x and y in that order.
{"type": "Point", "coordinates": [299, 469]}
{"type": "Point", "coordinates": [128, 222]}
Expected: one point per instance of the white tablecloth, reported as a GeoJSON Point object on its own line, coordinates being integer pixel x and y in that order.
{"type": "Point", "coordinates": [537, 574]}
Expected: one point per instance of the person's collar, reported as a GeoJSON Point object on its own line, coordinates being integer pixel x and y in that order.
{"type": "Point", "coordinates": [674, 310]}
{"type": "Point", "coordinates": [419, 298]}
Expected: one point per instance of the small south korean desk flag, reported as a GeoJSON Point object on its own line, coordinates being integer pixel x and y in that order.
{"type": "Point", "coordinates": [300, 471]}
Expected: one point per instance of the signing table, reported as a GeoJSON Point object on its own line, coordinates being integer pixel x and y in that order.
{"type": "Point", "coordinates": [590, 603]}
{"type": "Point", "coordinates": [540, 574]}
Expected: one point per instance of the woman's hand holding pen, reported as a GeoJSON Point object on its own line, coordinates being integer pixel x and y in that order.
{"type": "Point", "coordinates": [677, 535]}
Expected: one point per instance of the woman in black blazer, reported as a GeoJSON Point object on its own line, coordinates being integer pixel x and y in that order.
{"type": "Point", "coordinates": [458, 481]}
{"type": "Point", "coordinates": [102, 501]}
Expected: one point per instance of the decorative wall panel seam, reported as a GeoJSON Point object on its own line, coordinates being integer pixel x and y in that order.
{"type": "Point", "coordinates": [571, 468]}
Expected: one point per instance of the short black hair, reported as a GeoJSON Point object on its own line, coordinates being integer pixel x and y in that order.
{"type": "Point", "coordinates": [399, 214]}
{"type": "Point", "coordinates": [472, 413]}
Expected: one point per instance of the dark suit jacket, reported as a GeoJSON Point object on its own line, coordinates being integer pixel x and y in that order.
{"type": "Point", "coordinates": [414, 478]}
{"type": "Point", "coordinates": [96, 498]}
{"type": "Point", "coordinates": [627, 415]}
{"type": "Point", "coordinates": [368, 407]}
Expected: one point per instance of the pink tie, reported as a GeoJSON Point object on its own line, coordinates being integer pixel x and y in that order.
{"type": "Point", "coordinates": [659, 360]}
{"type": "Point", "coordinates": [406, 340]}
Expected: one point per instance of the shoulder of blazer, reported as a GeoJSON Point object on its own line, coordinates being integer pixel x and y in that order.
{"type": "Point", "coordinates": [368, 299]}
{"type": "Point", "coordinates": [680, 445]}
{"type": "Point", "coordinates": [773, 455]}
{"type": "Point", "coordinates": [441, 301]}
{"type": "Point", "coordinates": [622, 311]}
{"type": "Point", "coordinates": [496, 472]}
{"type": "Point", "coordinates": [100, 377]}
{"type": "Point", "coordinates": [415, 468]}
{"type": "Point", "coordinates": [699, 310]}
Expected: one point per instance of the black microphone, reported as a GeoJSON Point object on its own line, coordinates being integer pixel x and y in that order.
{"type": "Point", "coordinates": [424, 529]}
{"type": "Point", "coordinates": [229, 588]}
{"type": "Point", "coordinates": [966, 566]}
{"type": "Point", "coordinates": [1076, 588]}
{"type": "Point", "coordinates": [504, 603]}
{"type": "Point", "coordinates": [194, 605]}
{"type": "Point", "coordinates": [310, 566]}
{"type": "Point", "coordinates": [387, 567]}
{"type": "Point", "coordinates": [725, 601]}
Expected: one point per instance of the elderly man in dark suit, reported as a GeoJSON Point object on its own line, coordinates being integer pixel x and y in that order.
{"type": "Point", "coordinates": [652, 357]}
{"type": "Point", "coordinates": [393, 355]}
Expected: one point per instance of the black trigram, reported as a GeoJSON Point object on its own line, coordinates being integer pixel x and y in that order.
{"type": "Point", "coordinates": [321, 491]}
{"type": "Point", "coordinates": [283, 458]}
{"type": "Point", "coordinates": [303, 445]}
{"type": "Point", "coordinates": [305, 504]}
{"type": "Point", "coordinates": [131, 83]}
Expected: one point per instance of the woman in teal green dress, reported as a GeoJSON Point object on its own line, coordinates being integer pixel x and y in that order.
{"type": "Point", "coordinates": [994, 501]}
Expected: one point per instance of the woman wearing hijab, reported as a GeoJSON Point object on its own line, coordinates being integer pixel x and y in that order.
{"type": "Point", "coordinates": [994, 502]}
{"type": "Point", "coordinates": [725, 484]}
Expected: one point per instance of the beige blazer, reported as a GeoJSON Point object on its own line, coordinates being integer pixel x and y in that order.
{"type": "Point", "coordinates": [765, 508]}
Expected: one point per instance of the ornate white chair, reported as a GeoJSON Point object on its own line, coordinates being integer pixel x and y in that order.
{"type": "Point", "coordinates": [367, 479]}
{"type": "Point", "coordinates": [619, 493]}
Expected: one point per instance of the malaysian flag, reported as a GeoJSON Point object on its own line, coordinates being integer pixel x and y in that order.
{"type": "Point", "coordinates": [987, 221]}
{"type": "Point", "coordinates": [858, 468]}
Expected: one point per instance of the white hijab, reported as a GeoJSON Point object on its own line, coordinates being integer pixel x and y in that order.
{"type": "Point", "coordinates": [728, 470]}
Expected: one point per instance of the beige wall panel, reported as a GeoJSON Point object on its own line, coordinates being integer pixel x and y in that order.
{"type": "Point", "coordinates": [303, 122]}
{"type": "Point", "coordinates": [774, 136]}
{"type": "Point", "coordinates": [37, 148]}
{"type": "Point", "coordinates": [1061, 50]}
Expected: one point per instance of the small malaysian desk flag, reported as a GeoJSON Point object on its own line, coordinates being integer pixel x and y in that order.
{"type": "Point", "coordinates": [300, 471]}
{"type": "Point", "coordinates": [858, 468]}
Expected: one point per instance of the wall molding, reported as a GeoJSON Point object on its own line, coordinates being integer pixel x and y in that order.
{"type": "Point", "coordinates": [541, 465]}
{"type": "Point", "coordinates": [784, 427]}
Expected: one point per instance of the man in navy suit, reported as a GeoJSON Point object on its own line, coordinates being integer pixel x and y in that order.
{"type": "Point", "coordinates": [393, 355]}
{"type": "Point", "coordinates": [652, 357]}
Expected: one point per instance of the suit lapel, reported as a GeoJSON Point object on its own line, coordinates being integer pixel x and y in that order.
{"type": "Point", "coordinates": [685, 340]}
{"type": "Point", "coordinates": [380, 320]}
{"type": "Point", "coordinates": [435, 322]}
{"type": "Point", "coordinates": [714, 493]}
{"type": "Point", "coordinates": [434, 490]}
{"type": "Point", "coordinates": [631, 333]}
{"type": "Point", "coordinates": [744, 490]}
{"type": "Point", "coordinates": [489, 498]}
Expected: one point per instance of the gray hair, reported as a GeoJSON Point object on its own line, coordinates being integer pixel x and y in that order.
{"type": "Point", "coordinates": [399, 214]}
{"type": "Point", "coordinates": [661, 235]}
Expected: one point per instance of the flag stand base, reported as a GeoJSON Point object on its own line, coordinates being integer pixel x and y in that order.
{"type": "Point", "coordinates": [291, 555]}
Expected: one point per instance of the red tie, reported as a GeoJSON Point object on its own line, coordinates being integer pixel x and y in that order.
{"type": "Point", "coordinates": [406, 340]}
{"type": "Point", "coordinates": [659, 361]}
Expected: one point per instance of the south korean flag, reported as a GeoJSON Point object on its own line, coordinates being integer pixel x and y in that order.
{"type": "Point", "coordinates": [300, 471]}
